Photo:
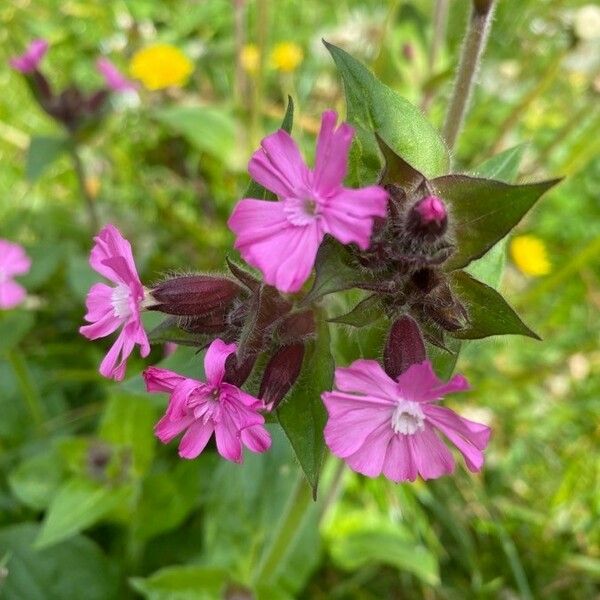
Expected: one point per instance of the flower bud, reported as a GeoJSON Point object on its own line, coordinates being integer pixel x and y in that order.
{"type": "Point", "coordinates": [194, 295]}
{"type": "Point", "coordinates": [445, 309]}
{"type": "Point", "coordinates": [295, 327]}
{"type": "Point", "coordinates": [280, 374]}
{"type": "Point", "coordinates": [404, 347]}
{"type": "Point", "coordinates": [428, 217]}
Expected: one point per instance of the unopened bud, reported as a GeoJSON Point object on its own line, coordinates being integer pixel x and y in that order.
{"type": "Point", "coordinates": [280, 374]}
{"type": "Point", "coordinates": [428, 217]}
{"type": "Point", "coordinates": [194, 295]}
{"type": "Point", "coordinates": [296, 327]}
{"type": "Point", "coordinates": [404, 347]}
{"type": "Point", "coordinates": [445, 309]}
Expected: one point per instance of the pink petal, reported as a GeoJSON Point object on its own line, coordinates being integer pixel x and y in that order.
{"type": "Point", "coordinates": [331, 160]}
{"type": "Point", "coordinates": [11, 294]}
{"type": "Point", "coordinates": [419, 383]}
{"type": "Point", "coordinates": [102, 327]}
{"type": "Point", "coordinates": [369, 458]}
{"type": "Point", "coordinates": [469, 437]}
{"type": "Point", "coordinates": [195, 439]}
{"type": "Point", "coordinates": [430, 454]}
{"type": "Point", "coordinates": [399, 464]}
{"type": "Point", "coordinates": [99, 302]}
{"type": "Point", "coordinates": [283, 252]}
{"type": "Point", "coordinates": [161, 380]}
{"type": "Point", "coordinates": [278, 165]}
{"type": "Point", "coordinates": [241, 397]}
{"type": "Point", "coordinates": [228, 440]}
{"type": "Point", "coordinates": [30, 59]}
{"type": "Point", "coordinates": [367, 377]}
{"type": "Point", "coordinates": [349, 426]}
{"type": "Point", "coordinates": [111, 244]}
{"type": "Point", "coordinates": [13, 259]}
{"type": "Point", "coordinates": [113, 78]}
{"type": "Point", "coordinates": [348, 216]}
{"type": "Point", "coordinates": [256, 438]}
{"type": "Point", "coordinates": [214, 361]}
{"type": "Point", "coordinates": [167, 429]}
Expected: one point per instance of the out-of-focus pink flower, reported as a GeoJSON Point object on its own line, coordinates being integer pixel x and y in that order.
{"type": "Point", "coordinates": [30, 59]}
{"type": "Point", "coordinates": [109, 308]}
{"type": "Point", "coordinates": [113, 78]}
{"type": "Point", "coordinates": [200, 409]}
{"type": "Point", "coordinates": [13, 261]}
{"type": "Point", "coordinates": [281, 238]}
{"type": "Point", "coordinates": [170, 348]}
{"type": "Point", "coordinates": [378, 425]}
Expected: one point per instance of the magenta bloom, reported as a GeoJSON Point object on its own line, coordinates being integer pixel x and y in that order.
{"type": "Point", "coordinates": [13, 261]}
{"type": "Point", "coordinates": [109, 308]}
{"type": "Point", "coordinates": [113, 78]}
{"type": "Point", "coordinates": [200, 409]}
{"type": "Point", "coordinates": [281, 238]}
{"type": "Point", "coordinates": [378, 425]}
{"type": "Point", "coordinates": [30, 59]}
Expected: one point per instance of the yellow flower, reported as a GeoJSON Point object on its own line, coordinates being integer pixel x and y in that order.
{"type": "Point", "coordinates": [529, 255]}
{"type": "Point", "coordinates": [250, 58]}
{"type": "Point", "coordinates": [160, 66]}
{"type": "Point", "coordinates": [286, 56]}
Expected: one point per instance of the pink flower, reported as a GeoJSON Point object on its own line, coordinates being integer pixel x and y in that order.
{"type": "Point", "coordinates": [30, 59]}
{"type": "Point", "coordinates": [282, 238]}
{"type": "Point", "coordinates": [13, 261]}
{"type": "Point", "coordinates": [380, 425]}
{"type": "Point", "coordinates": [200, 409]}
{"type": "Point", "coordinates": [113, 78]}
{"type": "Point", "coordinates": [109, 308]}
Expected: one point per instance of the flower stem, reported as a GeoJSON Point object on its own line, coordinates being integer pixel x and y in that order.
{"type": "Point", "coordinates": [472, 51]}
{"type": "Point", "coordinates": [440, 21]}
{"type": "Point", "coordinates": [89, 200]}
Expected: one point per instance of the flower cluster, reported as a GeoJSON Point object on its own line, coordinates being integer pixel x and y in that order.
{"type": "Point", "coordinates": [13, 261]}
{"type": "Point", "coordinates": [382, 418]}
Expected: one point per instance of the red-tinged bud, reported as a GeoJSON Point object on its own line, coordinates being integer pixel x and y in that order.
{"type": "Point", "coordinates": [237, 371]}
{"type": "Point", "coordinates": [95, 101]}
{"type": "Point", "coordinates": [209, 323]}
{"type": "Point", "coordinates": [445, 309]}
{"type": "Point", "coordinates": [296, 327]}
{"type": "Point", "coordinates": [428, 217]}
{"type": "Point", "coordinates": [404, 347]}
{"type": "Point", "coordinates": [251, 282]}
{"type": "Point", "coordinates": [194, 295]}
{"type": "Point", "coordinates": [280, 374]}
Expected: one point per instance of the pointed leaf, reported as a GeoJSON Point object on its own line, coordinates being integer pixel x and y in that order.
{"type": "Point", "coordinates": [302, 416]}
{"type": "Point", "coordinates": [489, 313]}
{"type": "Point", "coordinates": [377, 108]}
{"type": "Point", "coordinates": [396, 169]}
{"type": "Point", "coordinates": [169, 331]}
{"type": "Point", "coordinates": [484, 211]}
{"type": "Point", "coordinates": [255, 190]}
{"type": "Point", "coordinates": [504, 167]}
{"type": "Point", "coordinates": [367, 311]}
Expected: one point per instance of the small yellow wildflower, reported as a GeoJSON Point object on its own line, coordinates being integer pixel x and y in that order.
{"type": "Point", "coordinates": [529, 255]}
{"type": "Point", "coordinates": [250, 58]}
{"type": "Point", "coordinates": [286, 56]}
{"type": "Point", "coordinates": [160, 66]}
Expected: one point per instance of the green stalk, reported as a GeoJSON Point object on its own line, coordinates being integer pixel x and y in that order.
{"type": "Point", "coordinates": [80, 174]}
{"type": "Point", "coordinates": [440, 21]}
{"type": "Point", "coordinates": [27, 386]}
{"type": "Point", "coordinates": [472, 51]}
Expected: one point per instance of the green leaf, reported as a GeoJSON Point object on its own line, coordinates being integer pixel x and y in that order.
{"type": "Point", "coordinates": [484, 211]}
{"type": "Point", "coordinates": [333, 271]}
{"type": "Point", "coordinates": [79, 275]}
{"type": "Point", "coordinates": [396, 169]}
{"type": "Point", "coordinates": [169, 331]}
{"type": "Point", "coordinates": [367, 311]}
{"type": "Point", "coordinates": [302, 416]}
{"type": "Point", "coordinates": [489, 313]}
{"type": "Point", "coordinates": [183, 583]}
{"type": "Point", "coordinates": [128, 423]}
{"type": "Point", "coordinates": [42, 152]}
{"type": "Point", "coordinates": [35, 481]}
{"type": "Point", "coordinates": [14, 326]}
{"type": "Point", "coordinates": [255, 190]}
{"type": "Point", "coordinates": [73, 569]}
{"type": "Point", "coordinates": [208, 129]}
{"type": "Point", "coordinates": [503, 166]}
{"type": "Point", "coordinates": [378, 109]}
{"type": "Point", "coordinates": [78, 504]}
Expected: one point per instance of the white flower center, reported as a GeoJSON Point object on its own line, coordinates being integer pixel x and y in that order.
{"type": "Point", "coordinates": [301, 211]}
{"type": "Point", "coordinates": [121, 301]}
{"type": "Point", "coordinates": [408, 418]}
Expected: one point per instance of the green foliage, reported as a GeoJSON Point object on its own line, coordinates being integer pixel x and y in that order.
{"type": "Point", "coordinates": [42, 152]}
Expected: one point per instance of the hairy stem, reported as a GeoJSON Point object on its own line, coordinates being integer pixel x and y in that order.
{"type": "Point", "coordinates": [472, 51]}
{"type": "Point", "coordinates": [89, 200]}
{"type": "Point", "coordinates": [440, 21]}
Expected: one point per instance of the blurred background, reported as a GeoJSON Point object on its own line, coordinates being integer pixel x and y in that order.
{"type": "Point", "coordinates": [92, 507]}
